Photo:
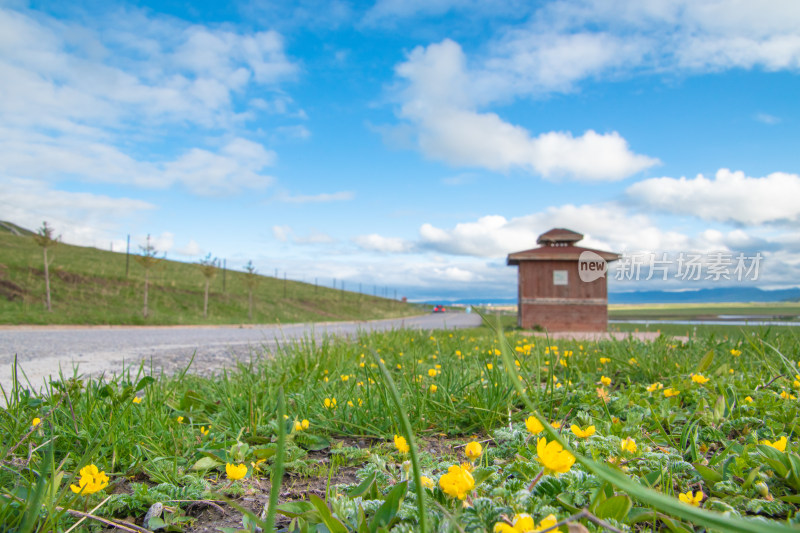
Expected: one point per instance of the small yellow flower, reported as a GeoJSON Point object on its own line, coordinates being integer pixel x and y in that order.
{"type": "Point", "coordinates": [605, 381]}
{"type": "Point", "coordinates": [655, 386]}
{"type": "Point", "coordinates": [473, 450]}
{"type": "Point", "coordinates": [556, 424]}
{"type": "Point", "coordinates": [700, 378]}
{"type": "Point", "coordinates": [235, 471]}
{"type": "Point", "coordinates": [583, 433]}
{"type": "Point", "coordinates": [433, 388]}
{"type": "Point", "coordinates": [92, 480]}
{"type": "Point", "coordinates": [298, 426]}
{"type": "Point", "coordinates": [632, 360]}
{"type": "Point", "coordinates": [426, 482]}
{"type": "Point", "coordinates": [691, 499]}
{"type": "Point", "coordinates": [305, 423]}
{"type": "Point", "coordinates": [36, 421]}
{"type": "Point", "coordinates": [748, 399]}
{"type": "Point", "coordinates": [180, 420]}
{"type": "Point", "coordinates": [786, 396]}
{"type": "Point", "coordinates": [628, 445]}
{"type": "Point", "coordinates": [489, 366]}
{"type": "Point", "coordinates": [669, 393]}
{"type": "Point", "coordinates": [604, 360]}
{"type": "Point", "coordinates": [401, 444]}
{"type": "Point", "coordinates": [457, 482]}
{"type": "Point", "coordinates": [432, 372]}
{"type": "Point", "coordinates": [136, 399]}
{"type": "Point", "coordinates": [330, 403]}
{"type": "Point", "coordinates": [735, 352]}
{"type": "Point", "coordinates": [350, 403]}
{"type": "Point", "coordinates": [779, 444]}
{"type": "Point", "coordinates": [534, 426]}
{"type": "Point", "coordinates": [553, 456]}
{"type": "Point", "coordinates": [204, 431]}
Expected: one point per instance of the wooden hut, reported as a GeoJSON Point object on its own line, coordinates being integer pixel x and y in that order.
{"type": "Point", "coordinates": [562, 287]}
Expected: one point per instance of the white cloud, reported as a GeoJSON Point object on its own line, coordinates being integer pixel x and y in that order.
{"type": "Point", "coordinates": [729, 197]}
{"type": "Point", "coordinates": [449, 128]}
{"type": "Point", "coordinates": [315, 237]}
{"type": "Point", "coordinates": [341, 196]}
{"type": "Point", "coordinates": [192, 249]}
{"type": "Point", "coordinates": [766, 118]}
{"type": "Point", "coordinates": [80, 218]}
{"type": "Point", "coordinates": [282, 233]}
{"type": "Point", "coordinates": [378, 243]}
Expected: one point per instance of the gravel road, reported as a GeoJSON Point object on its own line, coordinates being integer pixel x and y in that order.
{"type": "Point", "coordinates": [42, 350]}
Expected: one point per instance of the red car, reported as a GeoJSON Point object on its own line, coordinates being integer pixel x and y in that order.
{"type": "Point", "coordinates": [439, 309]}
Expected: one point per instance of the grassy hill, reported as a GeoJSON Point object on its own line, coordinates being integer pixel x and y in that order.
{"type": "Point", "coordinates": [89, 286]}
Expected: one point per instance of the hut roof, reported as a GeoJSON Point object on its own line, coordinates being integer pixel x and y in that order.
{"type": "Point", "coordinates": [558, 235]}
{"type": "Point", "coordinates": [549, 253]}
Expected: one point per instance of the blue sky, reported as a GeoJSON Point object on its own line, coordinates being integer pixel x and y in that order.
{"type": "Point", "coordinates": [407, 144]}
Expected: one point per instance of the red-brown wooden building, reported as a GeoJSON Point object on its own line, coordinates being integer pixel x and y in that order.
{"type": "Point", "coordinates": [552, 292]}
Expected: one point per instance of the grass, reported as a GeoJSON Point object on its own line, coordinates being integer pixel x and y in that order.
{"type": "Point", "coordinates": [90, 286]}
{"type": "Point", "coordinates": [695, 311]}
{"type": "Point", "coordinates": [441, 390]}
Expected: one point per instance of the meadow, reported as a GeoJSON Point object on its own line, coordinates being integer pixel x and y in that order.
{"type": "Point", "coordinates": [470, 430]}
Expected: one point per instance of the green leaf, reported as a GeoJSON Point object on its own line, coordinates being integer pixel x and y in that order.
{"type": "Point", "coordinates": [265, 453]}
{"type": "Point", "coordinates": [144, 382]}
{"type": "Point", "coordinates": [362, 487]}
{"type": "Point", "coordinates": [775, 458]}
{"type": "Point", "coordinates": [567, 502]}
{"type": "Point", "coordinates": [616, 508]}
{"type": "Point", "coordinates": [206, 463]}
{"type": "Point", "coordinates": [481, 474]}
{"type": "Point", "coordinates": [705, 362]}
{"type": "Point", "coordinates": [311, 442]}
{"type": "Point", "coordinates": [389, 508]}
{"type": "Point", "coordinates": [333, 524]}
{"type": "Point", "coordinates": [295, 509]}
{"type": "Point", "coordinates": [653, 478]}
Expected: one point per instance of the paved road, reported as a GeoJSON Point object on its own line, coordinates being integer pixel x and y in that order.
{"type": "Point", "coordinates": [42, 351]}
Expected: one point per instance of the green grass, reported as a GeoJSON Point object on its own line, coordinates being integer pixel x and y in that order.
{"type": "Point", "coordinates": [695, 311]}
{"type": "Point", "coordinates": [705, 438]}
{"type": "Point", "coordinates": [89, 286]}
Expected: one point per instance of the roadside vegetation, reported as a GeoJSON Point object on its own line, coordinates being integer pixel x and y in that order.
{"type": "Point", "coordinates": [473, 430]}
{"type": "Point", "coordinates": [91, 286]}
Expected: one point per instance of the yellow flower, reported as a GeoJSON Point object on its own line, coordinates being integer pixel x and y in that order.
{"type": "Point", "coordinates": [628, 445]}
{"type": "Point", "coordinates": [735, 352]}
{"type": "Point", "coordinates": [553, 456]}
{"type": "Point", "coordinates": [632, 360]}
{"type": "Point", "coordinates": [180, 420]}
{"type": "Point", "coordinates": [330, 403]}
{"type": "Point", "coordinates": [786, 396]}
{"type": "Point", "coordinates": [489, 366]}
{"type": "Point", "coordinates": [433, 388]}
{"type": "Point", "coordinates": [432, 372]}
{"type": "Point", "coordinates": [779, 444]}
{"type": "Point", "coordinates": [669, 393]}
{"type": "Point", "coordinates": [305, 423]}
{"type": "Point", "coordinates": [401, 444]}
{"type": "Point", "coordinates": [36, 421]}
{"type": "Point", "coordinates": [426, 482]}
{"type": "Point", "coordinates": [605, 381]}
{"type": "Point", "coordinates": [236, 471]}
{"type": "Point", "coordinates": [699, 378]}
{"type": "Point", "coordinates": [748, 399]}
{"type": "Point", "coordinates": [604, 360]}
{"type": "Point", "coordinates": [692, 499]}
{"type": "Point", "coordinates": [298, 426]}
{"type": "Point", "coordinates": [556, 424]}
{"type": "Point", "coordinates": [534, 426]}
{"type": "Point", "coordinates": [655, 386]}
{"type": "Point", "coordinates": [92, 480]}
{"type": "Point", "coordinates": [473, 450]}
{"type": "Point", "coordinates": [136, 399]}
{"type": "Point", "coordinates": [457, 482]}
{"type": "Point", "coordinates": [204, 431]}
{"type": "Point", "coordinates": [583, 433]}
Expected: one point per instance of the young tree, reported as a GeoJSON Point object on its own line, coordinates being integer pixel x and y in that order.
{"type": "Point", "coordinates": [44, 238]}
{"type": "Point", "coordinates": [208, 267]}
{"type": "Point", "coordinates": [251, 280]}
{"type": "Point", "coordinates": [148, 260]}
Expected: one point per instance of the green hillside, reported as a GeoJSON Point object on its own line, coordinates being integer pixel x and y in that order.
{"type": "Point", "coordinates": [89, 286]}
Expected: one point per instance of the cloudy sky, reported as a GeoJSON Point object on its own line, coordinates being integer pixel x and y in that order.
{"type": "Point", "coordinates": [409, 144]}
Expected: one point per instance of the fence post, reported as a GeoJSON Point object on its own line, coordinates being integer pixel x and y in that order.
{"type": "Point", "coordinates": [128, 256]}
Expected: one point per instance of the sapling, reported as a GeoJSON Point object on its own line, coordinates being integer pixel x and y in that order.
{"type": "Point", "coordinates": [44, 238]}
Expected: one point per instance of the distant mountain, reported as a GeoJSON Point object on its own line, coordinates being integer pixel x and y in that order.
{"type": "Point", "coordinates": [10, 227]}
{"type": "Point", "coordinates": [717, 295]}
